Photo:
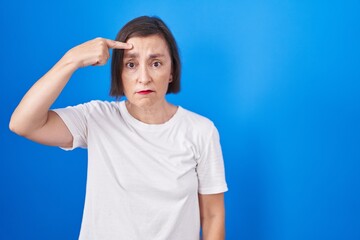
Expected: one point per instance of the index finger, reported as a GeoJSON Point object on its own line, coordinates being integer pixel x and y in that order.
{"type": "Point", "coordinates": [117, 44]}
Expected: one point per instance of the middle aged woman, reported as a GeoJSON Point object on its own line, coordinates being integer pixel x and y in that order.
{"type": "Point", "coordinates": [155, 170]}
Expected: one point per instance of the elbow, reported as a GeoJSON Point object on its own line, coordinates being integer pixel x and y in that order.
{"type": "Point", "coordinates": [24, 125]}
{"type": "Point", "coordinates": [13, 127]}
{"type": "Point", "coordinates": [16, 128]}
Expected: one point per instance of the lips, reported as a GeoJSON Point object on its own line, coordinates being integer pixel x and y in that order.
{"type": "Point", "coordinates": [144, 92]}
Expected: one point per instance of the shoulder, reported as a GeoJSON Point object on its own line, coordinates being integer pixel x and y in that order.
{"type": "Point", "coordinates": [197, 122]}
{"type": "Point", "coordinates": [101, 106]}
{"type": "Point", "coordinates": [93, 109]}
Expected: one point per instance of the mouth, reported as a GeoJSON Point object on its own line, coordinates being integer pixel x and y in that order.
{"type": "Point", "coordinates": [144, 92]}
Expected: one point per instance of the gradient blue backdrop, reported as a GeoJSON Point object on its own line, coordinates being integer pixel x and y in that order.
{"type": "Point", "coordinates": [280, 79]}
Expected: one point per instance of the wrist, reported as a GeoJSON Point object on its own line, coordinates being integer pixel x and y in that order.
{"type": "Point", "coordinates": [70, 61]}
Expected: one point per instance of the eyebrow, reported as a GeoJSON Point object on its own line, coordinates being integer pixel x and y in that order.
{"type": "Point", "coordinates": [136, 55]}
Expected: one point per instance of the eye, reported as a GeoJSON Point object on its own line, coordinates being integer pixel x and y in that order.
{"type": "Point", "coordinates": [130, 65]}
{"type": "Point", "coordinates": [157, 64]}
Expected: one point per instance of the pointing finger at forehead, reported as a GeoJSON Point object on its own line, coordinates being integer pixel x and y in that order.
{"type": "Point", "coordinates": [117, 44]}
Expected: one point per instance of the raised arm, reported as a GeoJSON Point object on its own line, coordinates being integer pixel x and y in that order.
{"type": "Point", "coordinates": [32, 117]}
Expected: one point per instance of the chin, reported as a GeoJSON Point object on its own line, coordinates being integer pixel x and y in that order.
{"type": "Point", "coordinates": [142, 103]}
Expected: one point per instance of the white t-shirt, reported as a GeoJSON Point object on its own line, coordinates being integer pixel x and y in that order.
{"type": "Point", "coordinates": [143, 179]}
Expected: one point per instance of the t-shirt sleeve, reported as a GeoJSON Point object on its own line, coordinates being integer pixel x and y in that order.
{"type": "Point", "coordinates": [75, 118]}
{"type": "Point", "coordinates": [210, 167]}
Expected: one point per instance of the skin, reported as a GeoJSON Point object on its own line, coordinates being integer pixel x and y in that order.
{"type": "Point", "coordinates": [32, 117]}
{"type": "Point", "coordinates": [212, 216]}
{"type": "Point", "coordinates": [147, 67]}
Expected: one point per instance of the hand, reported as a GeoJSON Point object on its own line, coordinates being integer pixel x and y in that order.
{"type": "Point", "coordinates": [94, 52]}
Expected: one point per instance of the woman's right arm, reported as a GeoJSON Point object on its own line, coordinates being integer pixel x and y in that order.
{"type": "Point", "coordinates": [32, 117]}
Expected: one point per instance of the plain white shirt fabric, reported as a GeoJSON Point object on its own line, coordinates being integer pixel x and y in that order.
{"type": "Point", "coordinates": [143, 179]}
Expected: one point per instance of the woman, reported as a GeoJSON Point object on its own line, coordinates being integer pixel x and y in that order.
{"type": "Point", "coordinates": [155, 170]}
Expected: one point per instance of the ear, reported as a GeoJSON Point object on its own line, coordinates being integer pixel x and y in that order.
{"type": "Point", "coordinates": [171, 78]}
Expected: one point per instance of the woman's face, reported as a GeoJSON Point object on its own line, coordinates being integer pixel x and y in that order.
{"type": "Point", "coordinates": [146, 71]}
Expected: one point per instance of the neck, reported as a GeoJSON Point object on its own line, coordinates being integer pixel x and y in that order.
{"type": "Point", "coordinates": [155, 114]}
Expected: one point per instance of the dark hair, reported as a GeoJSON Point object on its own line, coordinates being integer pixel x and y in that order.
{"type": "Point", "coordinates": [142, 27]}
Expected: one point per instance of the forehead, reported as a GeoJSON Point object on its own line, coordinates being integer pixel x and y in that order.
{"type": "Point", "coordinates": [144, 46]}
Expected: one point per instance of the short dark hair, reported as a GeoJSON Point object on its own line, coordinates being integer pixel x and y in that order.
{"type": "Point", "coordinates": [142, 27]}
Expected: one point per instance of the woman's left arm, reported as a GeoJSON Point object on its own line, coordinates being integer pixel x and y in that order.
{"type": "Point", "coordinates": [212, 215]}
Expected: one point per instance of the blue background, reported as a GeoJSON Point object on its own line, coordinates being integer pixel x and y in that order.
{"type": "Point", "coordinates": [280, 79]}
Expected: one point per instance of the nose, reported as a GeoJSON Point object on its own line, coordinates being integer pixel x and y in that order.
{"type": "Point", "coordinates": [144, 76]}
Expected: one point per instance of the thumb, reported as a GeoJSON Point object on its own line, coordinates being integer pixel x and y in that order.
{"type": "Point", "coordinates": [118, 45]}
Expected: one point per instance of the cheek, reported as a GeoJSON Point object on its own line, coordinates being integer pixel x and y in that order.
{"type": "Point", "coordinates": [163, 80]}
{"type": "Point", "coordinates": [125, 75]}
{"type": "Point", "coordinates": [128, 76]}
{"type": "Point", "coordinates": [165, 74]}
{"type": "Point", "coordinates": [126, 81]}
